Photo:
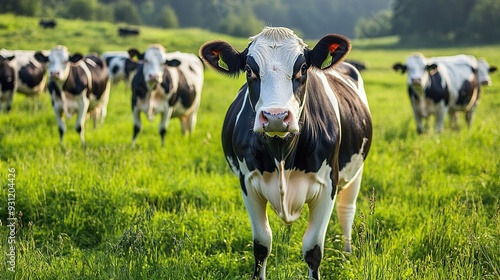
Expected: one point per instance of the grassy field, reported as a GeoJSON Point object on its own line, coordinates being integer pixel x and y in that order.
{"type": "Point", "coordinates": [428, 209]}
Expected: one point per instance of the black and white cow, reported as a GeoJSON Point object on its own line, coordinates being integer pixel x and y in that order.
{"type": "Point", "coordinates": [30, 76]}
{"type": "Point", "coordinates": [168, 84]}
{"type": "Point", "coordinates": [297, 133]}
{"type": "Point", "coordinates": [7, 82]}
{"type": "Point", "coordinates": [441, 85]}
{"type": "Point", "coordinates": [77, 85]}
{"type": "Point", "coordinates": [120, 65]}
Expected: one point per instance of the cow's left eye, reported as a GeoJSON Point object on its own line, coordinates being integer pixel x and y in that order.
{"type": "Point", "coordinates": [303, 69]}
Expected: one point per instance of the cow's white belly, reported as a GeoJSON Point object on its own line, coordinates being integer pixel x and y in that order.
{"type": "Point", "coordinates": [69, 104]}
{"type": "Point", "coordinates": [428, 107]}
{"type": "Point", "coordinates": [288, 190]}
{"type": "Point", "coordinates": [153, 106]}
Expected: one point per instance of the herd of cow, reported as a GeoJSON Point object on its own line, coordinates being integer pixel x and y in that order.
{"type": "Point", "coordinates": [162, 83]}
{"type": "Point", "coordinates": [297, 132]}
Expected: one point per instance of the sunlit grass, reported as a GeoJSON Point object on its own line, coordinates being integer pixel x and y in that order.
{"type": "Point", "coordinates": [428, 207]}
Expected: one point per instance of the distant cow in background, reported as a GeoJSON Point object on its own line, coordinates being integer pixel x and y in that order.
{"type": "Point", "coordinates": [77, 85]}
{"type": "Point", "coordinates": [120, 65]}
{"type": "Point", "coordinates": [128, 31]}
{"type": "Point", "coordinates": [168, 84]}
{"type": "Point", "coordinates": [356, 63]}
{"type": "Point", "coordinates": [441, 85]}
{"type": "Point", "coordinates": [47, 23]}
{"type": "Point", "coordinates": [29, 78]}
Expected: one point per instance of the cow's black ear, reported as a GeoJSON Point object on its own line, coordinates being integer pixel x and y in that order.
{"type": "Point", "coordinates": [173, 63]}
{"type": "Point", "coordinates": [399, 67]}
{"type": "Point", "coordinates": [492, 69]}
{"type": "Point", "coordinates": [222, 57]}
{"type": "Point", "coordinates": [431, 67]}
{"type": "Point", "coordinates": [41, 57]}
{"type": "Point", "coordinates": [329, 51]}
{"type": "Point", "coordinates": [75, 57]}
{"type": "Point", "coordinates": [135, 53]}
{"type": "Point", "coordinates": [9, 58]}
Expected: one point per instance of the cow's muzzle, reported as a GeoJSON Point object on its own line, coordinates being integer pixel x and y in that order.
{"type": "Point", "coordinates": [275, 123]}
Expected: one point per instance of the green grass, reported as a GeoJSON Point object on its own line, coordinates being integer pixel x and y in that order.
{"type": "Point", "coordinates": [428, 208]}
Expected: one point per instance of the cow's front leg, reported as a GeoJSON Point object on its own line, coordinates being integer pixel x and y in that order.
{"type": "Point", "coordinates": [83, 108]}
{"type": "Point", "coordinates": [313, 241]}
{"type": "Point", "coordinates": [440, 116]}
{"type": "Point", "coordinates": [418, 119]}
{"type": "Point", "coordinates": [58, 112]}
{"type": "Point", "coordinates": [137, 124]}
{"type": "Point", "coordinates": [261, 232]}
{"type": "Point", "coordinates": [165, 118]}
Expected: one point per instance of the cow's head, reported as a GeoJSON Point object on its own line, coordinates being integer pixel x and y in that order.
{"type": "Point", "coordinates": [59, 61]}
{"type": "Point", "coordinates": [418, 70]}
{"type": "Point", "coordinates": [276, 64]}
{"type": "Point", "coordinates": [154, 62]}
{"type": "Point", "coordinates": [483, 71]}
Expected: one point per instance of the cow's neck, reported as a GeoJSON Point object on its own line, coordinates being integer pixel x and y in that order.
{"type": "Point", "coordinates": [283, 149]}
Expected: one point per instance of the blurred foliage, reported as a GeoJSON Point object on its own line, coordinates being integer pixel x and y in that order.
{"type": "Point", "coordinates": [447, 20]}
{"type": "Point", "coordinates": [428, 21]}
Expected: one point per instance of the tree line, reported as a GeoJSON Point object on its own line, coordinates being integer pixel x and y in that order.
{"type": "Point", "coordinates": [411, 20]}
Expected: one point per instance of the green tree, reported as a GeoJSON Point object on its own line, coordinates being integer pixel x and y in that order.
{"type": "Point", "coordinates": [82, 9]}
{"type": "Point", "coordinates": [484, 21]}
{"type": "Point", "coordinates": [21, 7]}
{"type": "Point", "coordinates": [126, 12]}
{"type": "Point", "coordinates": [168, 18]}
{"type": "Point", "coordinates": [377, 26]}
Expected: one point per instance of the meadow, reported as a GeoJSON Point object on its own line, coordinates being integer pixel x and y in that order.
{"type": "Point", "coordinates": [428, 208]}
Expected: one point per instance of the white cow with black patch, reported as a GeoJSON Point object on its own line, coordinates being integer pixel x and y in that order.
{"type": "Point", "coordinates": [441, 85]}
{"type": "Point", "coordinates": [297, 133]}
{"type": "Point", "coordinates": [77, 85]}
{"type": "Point", "coordinates": [27, 75]}
{"type": "Point", "coordinates": [168, 84]}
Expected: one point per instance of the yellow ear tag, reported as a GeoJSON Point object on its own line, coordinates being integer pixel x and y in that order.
{"type": "Point", "coordinates": [222, 64]}
{"type": "Point", "coordinates": [327, 62]}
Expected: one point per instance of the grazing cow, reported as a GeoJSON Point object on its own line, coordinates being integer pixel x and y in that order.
{"type": "Point", "coordinates": [29, 78]}
{"type": "Point", "coordinates": [441, 85]}
{"type": "Point", "coordinates": [128, 31]}
{"type": "Point", "coordinates": [168, 84]}
{"type": "Point", "coordinates": [120, 65]}
{"type": "Point", "coordinates": [77, 85]}
{"type": "Point", "coordinates": [7, 82]}
{"type": "Point", "coordinates": [48, 23]}
{"type": "Point", "coordinates": [358, 64]}
{"type": "Point", "coordinates": [298, 132]}
{"type": "Point", "coordinates": [483, 71]}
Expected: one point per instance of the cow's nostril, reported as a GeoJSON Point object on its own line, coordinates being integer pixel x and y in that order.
{"type": "Point", "coordinates": [275, 121]}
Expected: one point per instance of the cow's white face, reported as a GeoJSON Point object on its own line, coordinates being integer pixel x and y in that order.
{"type": "Point", "coordinates": [154, 64]}
{"type": "Point", "coordinates": [276, 69]}
{"type": "Point", "coordinates": [59, 63]}
{"type": "Point", "coordinates": [416, 67]}
{"type": "Point", "coordinates": [483, 70]}
{"type": "Point", "coordinates": [276, 65]}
